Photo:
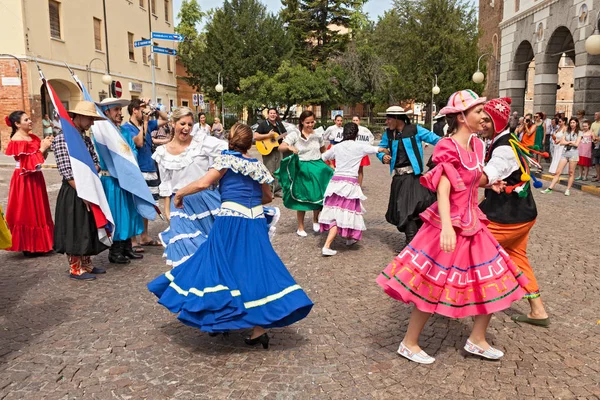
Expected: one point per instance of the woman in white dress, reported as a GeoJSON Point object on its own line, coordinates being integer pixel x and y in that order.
{"type": "Point", "coordinates": [365, 136]}
{"type": "Point", "coordinates": [557, 149]}
{"type": "Point", "coordinates": [181, 161]}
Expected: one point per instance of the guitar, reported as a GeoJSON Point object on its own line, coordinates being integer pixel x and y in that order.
{"type": "Point", "coordinates": [265, 147]}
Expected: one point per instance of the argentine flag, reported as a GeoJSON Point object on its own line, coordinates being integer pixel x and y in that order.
{"type": "Point", "coordinates": [120, 160]}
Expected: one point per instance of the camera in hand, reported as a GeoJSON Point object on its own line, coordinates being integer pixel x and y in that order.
{"type": "Point", "coordinates": [528, 120]}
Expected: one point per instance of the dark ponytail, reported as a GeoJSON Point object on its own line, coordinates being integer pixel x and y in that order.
{"type": "Point", "coordinates": [13, 119]}
{"type": "Point", "coordinates": [350, 131]}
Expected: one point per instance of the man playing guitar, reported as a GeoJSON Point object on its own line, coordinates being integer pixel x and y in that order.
{"type": "Point", "coordinates": [267, 130]}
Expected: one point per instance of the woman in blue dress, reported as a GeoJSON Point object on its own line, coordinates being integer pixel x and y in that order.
{"type": "Point", "coordinates": [235, 280]}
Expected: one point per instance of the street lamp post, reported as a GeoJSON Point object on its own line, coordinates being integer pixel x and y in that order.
{"type": "Point", "coordinates": [434, 90]}
{"type": "Point", "coordinates": [106, 78]}
{"type": "Point", "coordinates": [592, 43]}
{"type": "Point", "coordinates": [219, 89]}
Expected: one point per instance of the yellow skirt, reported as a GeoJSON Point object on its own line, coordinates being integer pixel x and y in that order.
{"type": "Point", "coordinates": [5, 237]}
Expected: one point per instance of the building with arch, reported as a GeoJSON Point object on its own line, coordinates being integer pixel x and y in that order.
{"type": "Point", "coordinates": [551, 33]}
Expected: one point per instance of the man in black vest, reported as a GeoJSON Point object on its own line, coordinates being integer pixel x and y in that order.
{"type": "Point", "coordinates": [512, 213]}
{"type": "Point", "coordinates": [408, 198]}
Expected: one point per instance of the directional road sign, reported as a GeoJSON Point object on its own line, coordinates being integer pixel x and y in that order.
{"type": "Point", "coordinates": [167, 36]}
{"type": "Point", "coordinates": [142, 43]}
{"type": "Point", "coordinates": [164, 50]}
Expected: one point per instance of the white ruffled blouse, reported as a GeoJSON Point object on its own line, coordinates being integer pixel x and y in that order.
{"type": "Point", "coordinates": [177, 171]}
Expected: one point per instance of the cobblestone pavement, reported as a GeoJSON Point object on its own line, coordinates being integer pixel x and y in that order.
{"type": "Point", "coordinates": [109, 339]}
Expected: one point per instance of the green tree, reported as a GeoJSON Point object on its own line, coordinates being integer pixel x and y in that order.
{"type": "Point", "coordinates": [419, 39]}
{"type": "Point", "coordinates": [190, 15]}
{"type": "Point", "coordinates": [241, 38]}
{"type": "Point", "coordinates": [292, 84]}
{"type": "Point", "coordinates": [320, 27]}
{"type": "Point", "coordinates": [360, 71]}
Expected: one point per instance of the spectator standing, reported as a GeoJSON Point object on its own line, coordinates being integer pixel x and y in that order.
{"type": "Point", "coordinates": [580, 116]}
{"type": "Point", "coordinates": [269, 129]}
{"type": "Point", "coordinates": [529, 131]}
{"type": "Point", "coordinates": [520, 128]}
{"type": "Point", "coordinates": [557, 148]}
{"type": "Point", "coordinates": [56, 127]}
{"type": "Point", "coordinates": [585, 151]}
{"type": "Point", "coordinates": [513, 122]}
{"type": "Point", "coordinates": [570, 156]}
{"type": "Point", "coordinates": [596, 124]}
{"type": "Point", "coordinates": [217, 128]}
{"type": "Point", "coordinates": [201, 126]}
{"type": "Point", "coordinates": [47, 126]}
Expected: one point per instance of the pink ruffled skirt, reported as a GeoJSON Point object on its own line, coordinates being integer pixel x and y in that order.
{"type": "Point", "coordinates": [342, 207]}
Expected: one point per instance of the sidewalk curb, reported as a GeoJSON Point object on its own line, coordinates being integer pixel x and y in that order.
{"type": "Point", "coordinates": [591, 189]}
{"type": "Point", "coordinates": [44, 166]}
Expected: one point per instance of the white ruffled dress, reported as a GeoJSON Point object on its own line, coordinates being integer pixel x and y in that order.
{"type": "Point", "coordinates": [190, 226]}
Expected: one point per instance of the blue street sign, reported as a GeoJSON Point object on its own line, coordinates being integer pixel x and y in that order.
{"type": "Point", "coordinates": [167, 36]}
{"type": "Point", "coordinates": [164, 50]}
{"type": "Point", "coordinates": [142, 43]}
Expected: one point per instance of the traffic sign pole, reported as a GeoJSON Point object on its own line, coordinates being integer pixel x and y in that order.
{"type": "Point", "coordinates": [153, 75]}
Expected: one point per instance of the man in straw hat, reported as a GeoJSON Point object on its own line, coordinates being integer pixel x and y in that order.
{"type": "Point", "coordinates": [513, 212]}
{"type": "Point", "coordinates": [128, 222]}
{"type": "Point", "coordinates": [75, 232]}
{"type": "Point", "coordinates": [408, 198]}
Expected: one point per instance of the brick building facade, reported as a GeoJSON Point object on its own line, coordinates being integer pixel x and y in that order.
{"type": "Point", "coordinates": [490, 16]}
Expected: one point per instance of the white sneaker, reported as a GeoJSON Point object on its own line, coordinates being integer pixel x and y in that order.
{"type": "Point", "coordinates": [328, 252]}
{"type": "Point", "coordinates": [546, 191]}
{"type": "Point", "coordinates": [301, 233]}
{"type": "Point", "coordinates": [350, 242]}
{"type": "Point", "coordinates": [567, 192]}
{"type": "Point", "coordinates": [420, 357]}
{"type": "Point", "coordinates": [316, 227]}
{"type": "Point", "coordinates": [491, 353]}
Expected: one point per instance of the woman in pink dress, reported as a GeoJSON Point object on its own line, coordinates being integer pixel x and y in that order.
{"type": "Point", "coordinates": [585, 151]}
{"type": "Point", "coordinates": [454, 266]}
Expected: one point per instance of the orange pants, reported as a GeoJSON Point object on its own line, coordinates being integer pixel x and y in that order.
{"type": "Point", "coordinates": [513, 238]}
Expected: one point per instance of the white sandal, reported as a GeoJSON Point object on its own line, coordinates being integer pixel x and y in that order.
{"type": "Point", "coordinates": [420, 357]}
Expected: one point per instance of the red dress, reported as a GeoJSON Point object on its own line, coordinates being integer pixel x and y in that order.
{"type": "Point", "coordinates": [28, 213]}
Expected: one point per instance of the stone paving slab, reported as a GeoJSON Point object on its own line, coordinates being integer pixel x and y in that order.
{"type": "Point", "coordinates": [109, 339]}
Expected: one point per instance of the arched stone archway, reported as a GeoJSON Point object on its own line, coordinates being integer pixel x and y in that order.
{"type": "Point", "coordinates": [68, 93]}
{"type": "Point", "coordinates": [517, 75]}
{"type": "Point", "coordinates": [546, 69]}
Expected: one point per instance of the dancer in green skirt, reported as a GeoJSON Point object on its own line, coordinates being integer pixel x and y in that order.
{"type": "Point", "coordinates": [303, 176]}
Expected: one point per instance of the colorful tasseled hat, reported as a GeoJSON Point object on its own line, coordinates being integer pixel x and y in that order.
{"type": "Point", "coordinates": [462, 101]}
{"type": "Point", "coordinates": [499, 111]}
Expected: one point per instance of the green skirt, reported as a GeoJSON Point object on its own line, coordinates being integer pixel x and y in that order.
{"type": "Point", "coordinates": [303, 182]}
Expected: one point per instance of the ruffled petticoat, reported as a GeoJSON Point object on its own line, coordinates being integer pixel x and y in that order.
{"type": "Point", "coordinates": [343, 208]}
{"type": "Point", "coordinates": [189, 226]}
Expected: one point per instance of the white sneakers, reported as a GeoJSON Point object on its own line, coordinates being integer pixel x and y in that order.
{"type": "Point", "coordinates": [424, 358]}
{"type": "Point", "coordinates": [490, 354]}
{"type": "Point", "coordinates": [301, 233]}
{"type": "Point", "coordinates": [420, 357]}
{"type": "Point", "coordinates": [328, 252]}
{"type": "Point", "coordinates": [567, 192]}
{"type": "Point", "coordinates": [316, 227]}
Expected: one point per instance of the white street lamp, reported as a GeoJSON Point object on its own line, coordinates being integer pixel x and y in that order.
{"type": "Point", "coordinates": [106, 78]}
{"type": "Point", "coordinates": [434, 90]}
{"type": "Point", "coordinates": [219, 89]}
{"type": "Point", "coordinates": [592, 43]}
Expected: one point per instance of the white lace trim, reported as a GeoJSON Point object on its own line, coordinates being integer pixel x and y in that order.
{"type": "Point", "coordinates": [479, 161]}
{"type": "Point", "coordinates": [194, 217]}
{"type": "Point", "coordinates": [177, 263]}
{"type": "Point", "coordinates": [345, 189]}
{"type": "Point", "coordinates": [184, 236]}
{"type": "Point", "coordinates": [253, 169]}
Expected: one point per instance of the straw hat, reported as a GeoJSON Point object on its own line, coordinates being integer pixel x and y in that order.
{"type": "Point", "coordinates": [396, 110]}
{"type": "Point", "coordinates": [111, 102]}
{"type": "Point", "coordinates": [88, 109]}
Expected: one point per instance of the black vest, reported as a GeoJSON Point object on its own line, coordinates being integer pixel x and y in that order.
{"type": "Point", "coordinates": [508, 208]}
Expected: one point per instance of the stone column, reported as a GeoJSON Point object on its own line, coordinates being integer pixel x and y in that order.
{"type": "Point", "coordinates": [545, 85]}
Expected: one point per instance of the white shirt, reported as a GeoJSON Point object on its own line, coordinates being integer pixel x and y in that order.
{"type": "Point", "coordinates": [335, 133]}
{"type": "Point", "coordinates": [196, 128]}
{"type": "Point", "coordinates": [365, 135]}
{"type": "Point", "coordinates": [503, 162]}
{"type": "Point", "coordinates": [348, 155]}
{"type": "Point", "coordinates": [308, 149]}
{"type": "Point", "coordinates": [177, 171]}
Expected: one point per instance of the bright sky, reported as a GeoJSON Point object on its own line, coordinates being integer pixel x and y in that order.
{"type": "Point", "coordinates": [374, 8]}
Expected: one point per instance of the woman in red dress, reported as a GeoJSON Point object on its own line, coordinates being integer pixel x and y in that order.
{"type": "Point", "coordinates": [28, 210]}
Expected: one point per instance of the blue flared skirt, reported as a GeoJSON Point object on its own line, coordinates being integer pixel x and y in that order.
{"type": "Point", "coordinates": [128, 223]}
{"type": "Point", "coordinates": [189, 227]}
{"type": "Point", "coordinates": [234, 281]}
